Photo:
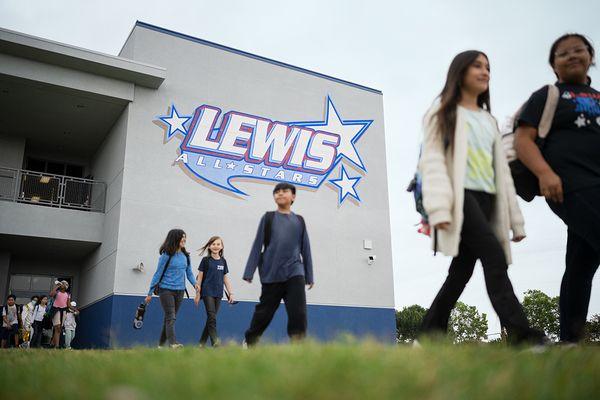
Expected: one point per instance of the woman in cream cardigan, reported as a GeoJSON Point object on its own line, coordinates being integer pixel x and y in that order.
{"type": "Point", "coordinates": [469, 196]}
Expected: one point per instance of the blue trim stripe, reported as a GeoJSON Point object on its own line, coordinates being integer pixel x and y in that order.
{"type": "Point", "coordinates": [109, 323]}
{"type": "Point", "coordinates": [254, 56]}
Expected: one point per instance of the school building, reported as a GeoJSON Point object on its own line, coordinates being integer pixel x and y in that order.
{"type": "Point", "coordinates": [101, 155]}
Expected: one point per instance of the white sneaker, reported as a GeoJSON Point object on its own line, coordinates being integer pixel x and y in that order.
{"type": "Point", "coordinates": [244, 345]}
{"type": "Point", "coordinates": [416, 344]}
{"type": "Point", "coordinates": [176, 346]}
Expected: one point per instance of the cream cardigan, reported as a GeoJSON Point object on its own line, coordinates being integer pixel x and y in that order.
{"type": "Point", "coordinates": [443, 172]}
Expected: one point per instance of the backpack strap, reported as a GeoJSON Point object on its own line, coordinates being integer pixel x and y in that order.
{"type": "Point", "coordinates": [269, 216]}
{"type": "Point", "coordinates": [164, 270]}
{"type": "Point", "coordinates": [549, 110]}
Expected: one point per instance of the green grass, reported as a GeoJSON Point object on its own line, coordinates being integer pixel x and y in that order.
{"type": "Point", "coordinates": [307, 371]}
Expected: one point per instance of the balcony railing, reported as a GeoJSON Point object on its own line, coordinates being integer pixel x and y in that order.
{"type": "Point", "coordinates": [52, 190]}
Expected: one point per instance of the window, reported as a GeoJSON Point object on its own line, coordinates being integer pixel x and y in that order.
{"type": "Point", "coordinates": [24, 286]}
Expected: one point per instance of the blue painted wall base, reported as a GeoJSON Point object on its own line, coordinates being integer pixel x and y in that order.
{"type": "Point", "coordinates": [109, 323]}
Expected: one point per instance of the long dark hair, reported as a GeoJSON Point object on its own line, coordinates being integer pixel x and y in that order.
{"type": "Point", "coordinates": [171, 243]}
{"type": "Point", "coordinates": [211, 241]}
{"type": "Point", "coordinates": [445, 117]}
{"type": "Point", "coordinates": [566, 36]}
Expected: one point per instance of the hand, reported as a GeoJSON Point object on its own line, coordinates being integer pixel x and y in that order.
{"type": "Point", "coordinates": [249, 280]}
{"type": "Point", "coordinates": [197, 299]}
{"type": "Point", "coordinates": [517, 239]}
{"type": "Point", "coordinates": [551, 186]}
{"type": "Point", "coordinates": [148, 299]}
{"type": "Point", "coordinates": [197, 287]}
{"type": "Point", "coordinates": [310, 285]}
{"type": "Point", "coordinates": [230, 299]}
{"type": "Point", "coordinates": [442, 226]}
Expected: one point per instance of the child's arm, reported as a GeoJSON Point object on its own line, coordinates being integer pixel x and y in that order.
{"type": "Point", "coordinates": [254, 257]}
{"type": "Point", "coordinates": [4, 316]}
{"type": "Point", "coordinates": [162, 261]}
{"type": "Point", "coordinates": [307, 260]}
{"type": "Point", "coordinates": [228, 287]}
{"type": "Point", "coordinates": [190, 277]}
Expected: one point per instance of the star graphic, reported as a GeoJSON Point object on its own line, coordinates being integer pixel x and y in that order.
{"type": "Point", "coordinates": [346, 185]}
{"type": "Point", "coordinates": [175, 122]}
{"type": "Point", "coordinates": [230, 165]}
{"type": "Point", "coordinates": [580, 121]}
{"type": "Point", "coordinates": [348, 131]}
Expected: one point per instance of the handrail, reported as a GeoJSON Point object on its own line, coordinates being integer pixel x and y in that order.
{"type": "Point", "coordinates": [62, 191]}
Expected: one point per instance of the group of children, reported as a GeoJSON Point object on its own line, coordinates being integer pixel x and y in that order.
{"type": "Point", "coordinates": [469, 196]}
{"type": "Point", "coordinates": [46, 321]}
{"type": "Point", "coordinates": [469, 203]}
{"type": "Point", "coordinates": [281, 252]}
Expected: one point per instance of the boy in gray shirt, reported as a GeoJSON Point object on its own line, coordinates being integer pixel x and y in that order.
{"type": "Point", "coordinates": [281, 251]}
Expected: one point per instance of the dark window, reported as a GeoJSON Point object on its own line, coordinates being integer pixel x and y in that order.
{"type": "Point", "coordinates": [75, 171]}
{"type": "Point", "coordinates": [55, 168]}
{"type": "Point", "coordinates": [36, 165]}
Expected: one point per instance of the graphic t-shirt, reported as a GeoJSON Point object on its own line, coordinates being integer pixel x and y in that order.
{"type": "Point", "coordinates": [213, 276]}
{"type": "Point", "coordinates": [572, 147]}
{"type": "Point", "coordinates": [11, 315]}
{"type": "Point", "coordinates": [480, 151]}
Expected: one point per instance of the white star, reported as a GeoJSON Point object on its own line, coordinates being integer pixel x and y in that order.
{"type": "Point", "coordinates": [230, 165]}
{"type": "Point", "coordinates": [348, 131]}
{"type": "Point", "coordinates": [580, 121]}
{"type": "Point", "coordinates": [175, 122]}
{"type": "Point", "coordinates": [346, 185]}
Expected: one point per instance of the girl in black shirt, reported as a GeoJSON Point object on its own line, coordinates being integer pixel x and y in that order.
{"type": "Point", "coordinates": [568, 169]}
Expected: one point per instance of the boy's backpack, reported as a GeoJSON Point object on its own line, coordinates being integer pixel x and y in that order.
{"type": "Point", "coordinates": [526, 183]}
{"type": "Point", "coordinates": [269, 216]}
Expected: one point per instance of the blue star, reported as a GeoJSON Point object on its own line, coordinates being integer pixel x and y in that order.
{"type": "Point", "coordinates": [349, 132]}
{"type": "Point", "coordinates": [346, 185]}
{"type": "Point", "coordinates": [175, 122]}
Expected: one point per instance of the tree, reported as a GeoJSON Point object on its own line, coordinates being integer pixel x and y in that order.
{"type": "Point", "coordinates": [592, 329]}
{"type": "Point", "coordinates": [408, 322]}
{"type": "Point", "coordinates": [467, 324]}
{"type": "Point", "coordinates": [542, 312]}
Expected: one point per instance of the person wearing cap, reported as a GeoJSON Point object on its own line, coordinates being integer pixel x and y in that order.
{"type": "Point", "coordinates": [70, 324]}
{"type": "Point", "coordinates": [61, 301]}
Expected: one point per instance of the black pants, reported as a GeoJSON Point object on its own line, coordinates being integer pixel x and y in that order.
{"type": "Point", "coordinates": [478, 241]}
{"type": "Point", "coordinates": [293, 294]}
{"type": "Point", "coordinates": [580, 211]}
{"type": "Point", "coordinates": [36, 339]}
{"type": "Point", "coordinates": [211, 304]}
{"type": "Point", "coordinates": [170, 300]}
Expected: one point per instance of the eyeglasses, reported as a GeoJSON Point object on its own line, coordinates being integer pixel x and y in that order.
{"type": "Point", "coordinates": [573, 51]}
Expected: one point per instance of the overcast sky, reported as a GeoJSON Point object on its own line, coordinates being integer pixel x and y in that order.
{"type": "Point", "coordinates": [401, 48]}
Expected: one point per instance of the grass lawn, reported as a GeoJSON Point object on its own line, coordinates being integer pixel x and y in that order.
{"type": "Point", "coordinates": [361, 370]}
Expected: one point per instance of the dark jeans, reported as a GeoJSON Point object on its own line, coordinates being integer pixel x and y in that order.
{"type": "Point", "coordinates": [580, 211]}
{"type": "Point", "coordinates": [170, 300]}
{"type": "Point", "coordinates": [293, 294]}
{"type": "Point", "coordinates": [211, 304]}
{"type": "Point", "coordinates": [478, 241]}
{"type": "Point", "coordinates": [36, 339]}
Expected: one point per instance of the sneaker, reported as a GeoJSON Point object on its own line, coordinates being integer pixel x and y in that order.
{"type": "Point", "coordinates": [244, 345]}
{"type": "Point", "coordinates": [176, 346]}
{"type": "Point", "coordinates": [416, 344]}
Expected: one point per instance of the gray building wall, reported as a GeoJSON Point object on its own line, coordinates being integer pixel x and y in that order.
{"type": "Point", "coordinates": [98, 274]}
{"type": "Point", "coordinates": [11, 151]}
{"type": "Point", "coordinates": [159, 195]}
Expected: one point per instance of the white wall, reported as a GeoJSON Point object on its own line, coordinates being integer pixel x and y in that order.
{"type": "Point", "coordinates": [158, 195]}
{"type": "Point", "coordinates": [97, 277]}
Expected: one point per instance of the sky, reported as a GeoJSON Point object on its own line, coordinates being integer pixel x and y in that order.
{"type": "Point", "coordinates": [402, 48]}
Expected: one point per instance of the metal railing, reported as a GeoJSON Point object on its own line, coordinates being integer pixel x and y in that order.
{"type": "Point", "coordinates": [52, 190]}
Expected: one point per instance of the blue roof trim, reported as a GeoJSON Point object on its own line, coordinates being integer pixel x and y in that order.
{"type": "Point", "coordinates": [254, 56]}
